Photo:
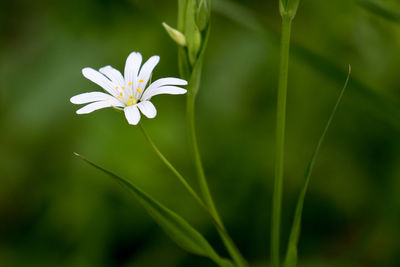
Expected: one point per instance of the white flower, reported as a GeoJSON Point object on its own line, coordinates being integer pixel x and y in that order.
{"type": "Point", "coordinates": [127, 93]}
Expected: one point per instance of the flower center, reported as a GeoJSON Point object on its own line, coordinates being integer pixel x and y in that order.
{"type": "Point", "coordinates": [131, 101]}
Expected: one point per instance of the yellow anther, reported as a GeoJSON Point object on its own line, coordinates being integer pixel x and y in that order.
{"type": "Point", "coordinates": [131, 102]}
{"type": "Point", "coordinates": [131, 96]}
{"type": "Point", "coordinates": [130, 83]}
{"type": "Point", "coordinates": [123, 87]}
{"type": "Point", "coordinates": [116, 87]}
{"type": "Point", "coordinates": [141, 81]}
{"type": "Point", "coordinates": [139, 91]}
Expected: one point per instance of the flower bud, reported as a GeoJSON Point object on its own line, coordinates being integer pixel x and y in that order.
{"type": "Point", "coordinates": [203, 14]}
{"type": "Point", "coordinates": [192, 32]}
{"type": "Point", "coordinates": [176, 35]}
{"type": "Point", "coordinates": [194, 46]}
{"type": "Point", "coordinates": [288, 8]}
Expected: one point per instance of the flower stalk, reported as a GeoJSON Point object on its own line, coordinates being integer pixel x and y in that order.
{"type": "Point", "coordinates": [287, 16]}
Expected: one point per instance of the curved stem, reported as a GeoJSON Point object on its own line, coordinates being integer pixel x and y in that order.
{"type": "Point", "coordinates": [197, 158]}
{"type": "Point", "coordinates": [216, 220]}
{"type": "Point", "coordinates": [280, 140]}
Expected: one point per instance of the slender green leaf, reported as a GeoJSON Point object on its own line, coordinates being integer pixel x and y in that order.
{"type": "Point", "coordinates": [175, 226]}
{"type": "Point", "coordinates": [381, 9]}
{"type": "Point", "coordinates": [383, 106]}
{"type": "Point", "coordinates": [291, 253]}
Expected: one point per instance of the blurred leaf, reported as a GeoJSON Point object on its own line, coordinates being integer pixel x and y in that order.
{"type": "Point", "coordinates": [175, 226]}
{"type": "Point", "coordinates": [291, 253]}
{"type": "Point", "coordinates": [381, 9]}
{"type": "Point", "coordinates": [385, 107]}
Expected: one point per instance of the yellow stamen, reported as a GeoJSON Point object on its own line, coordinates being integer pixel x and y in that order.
{"type": "Point", "coordinates": [116, 87]}
{"type": "Point", "coordinates": [139, 91]}
{"type": "Point", "coordinates": [120, 96]}
{"type": "Point", "coordinates": [131, 102]}
{"type": "Point", "coordinates": [141, 81]}
{"type": "Point", "coordinates": [123, 87]}
{"type": "Point", "coordinates": [131, 96]}
{"type": "Point", "coordinates": [130, 83]}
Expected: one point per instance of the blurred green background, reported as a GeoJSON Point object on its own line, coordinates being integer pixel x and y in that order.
{"type": "Point", "coordinates": [57, 211]}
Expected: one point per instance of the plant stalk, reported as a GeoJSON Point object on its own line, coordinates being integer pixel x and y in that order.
{"type": "Point", "coordinates": [280, 139]}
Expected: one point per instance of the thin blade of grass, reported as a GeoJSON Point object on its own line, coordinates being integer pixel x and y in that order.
{"type": "Point", "coordinates": [378, 103]}
{"type": "Point", "coordinates": [291, 253]}
{"type": "Point", "coordinates": [381, 9]}
{"type": "Point", "coordinates": [179, 230]}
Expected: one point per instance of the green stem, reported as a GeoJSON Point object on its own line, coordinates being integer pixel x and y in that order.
{"type": "Point", "coordinates": [280, 140]}
{"type": "Point", "coordinates": [215, 219]}
{"type": "Point", "coordinates": [197, 159]}
{"type": "Point", "coordinates": [232, 249]}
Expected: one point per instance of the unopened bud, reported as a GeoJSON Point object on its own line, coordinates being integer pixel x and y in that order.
{"type": "Point", "coordinates": [202, 14]}
{"type": "Point", "coordinates": [288, 8]}
{"type": "Point", "coordinates": [194, 46]}
{"type": "Point", "coordinates": [176, 35]}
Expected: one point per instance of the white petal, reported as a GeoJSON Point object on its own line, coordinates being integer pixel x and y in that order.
{"type": "Point", "coordinates": [94, 106]}
{"type": "Point", "coordinates": [159, 83]}
{"type": "Point", "coordinates": [132, 66]}
{"type": "Point", "coordinates": [89, 97]}
{"type": "Point", "coordinates": [114, 75]}
{"type": "Point", "coordinates": [171, 90]}
{"type": "Point", "coordinates": [132, 114]}
{"type": "Point", "coordinates": [146, 70]}
{"type": "Point", "coordinates": [99, 79]}
{"type": "Point", "coordinates": [167, 81]}
{"type": "Point", "coordinates": [148, 109]}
